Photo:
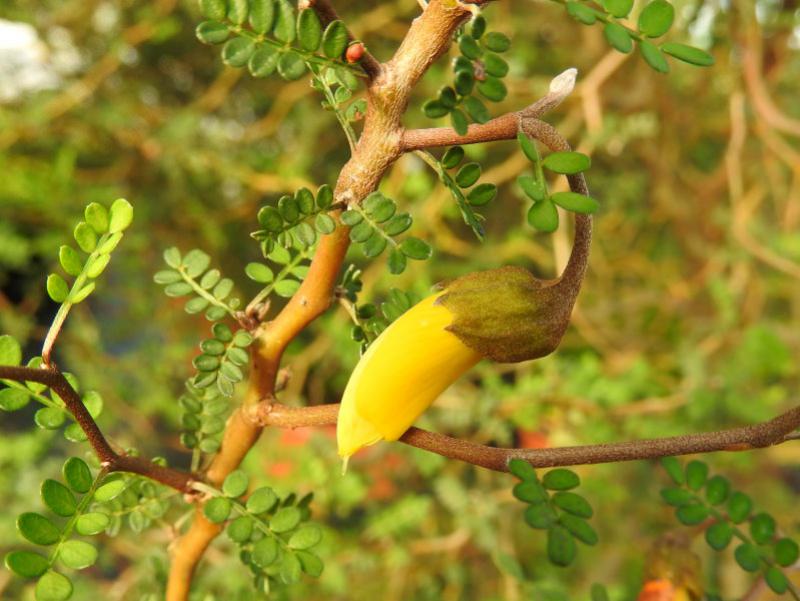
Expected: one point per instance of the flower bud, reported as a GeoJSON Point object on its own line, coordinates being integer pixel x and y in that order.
{"type": "Point", "coordinates": [354, 52]}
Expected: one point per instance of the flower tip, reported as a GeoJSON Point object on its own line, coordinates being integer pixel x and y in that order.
{"type": "Point", "coordinates": [564, 83]}
{"type": "Point", "coordinates": [345, 461]}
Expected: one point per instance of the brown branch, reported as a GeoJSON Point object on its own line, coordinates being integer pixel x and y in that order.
{"type": "Point", "coordinates": [112, 461]}
{"type": "Point", "coordinates": [327, 13]}
{"type": "Point", "coordinates": [772, 432]}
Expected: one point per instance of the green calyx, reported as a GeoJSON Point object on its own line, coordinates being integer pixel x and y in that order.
{"type": "Point", "coordinates": [507, 314]}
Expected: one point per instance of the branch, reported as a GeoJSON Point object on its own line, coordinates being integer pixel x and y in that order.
{"type": "Point", "coordinates": [327, 13]}
{"type": "Point", "coordinates": [113, 462]}
{"type": "Point", "coordinates": [775, 431]}
{"type": "Point", "coordinates": [504, 127]}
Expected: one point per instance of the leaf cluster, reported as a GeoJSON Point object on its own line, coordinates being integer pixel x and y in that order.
{"type": "Point", "coordinates": [698, 499]}
{"type": "Point", "coordinates": [458, 184]}
{"type": "Point", "coordinates": [552, 507]}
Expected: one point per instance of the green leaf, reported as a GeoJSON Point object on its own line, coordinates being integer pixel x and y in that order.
{"type": "Point", "coordinates": [237, 11]}
{"type": "Point", "coordinates": [195, 262]}
{"type": "Point", "coordinates": [464, 82]}
{"type": "Point", "coordinates": [262, 63]}
{"type": "Point", "coordinates": [284, 27]}
{"type": "Point", "coordinates": [618, 8]}
{"type": "Point", "coordinates": [291, 569]}
{"type": "Point", "coordinates": [696, 474]}
{"type": "Point", "coordinates": [120, 216]}
{"type": "Point", "coordinates": [70, 260]}
{"type": "Point", "coordinates": [653, 56]}
{"type": "Point", "coordinates": [49, 418]}
{"type": "Point", "coordinates": [241, 529]}
{"type": "Point", "coordinates": [85, 236]}
{"type": "Point", "coordinates": [309, 30]}
{"type": "Point", "coordinates": [528, 147]}
{"type": "Point", "coordinates": [578, 203]}
{"type": "Point", "coordinates": [492, 89]}
{"type": "Point", "coordinates": [540, 516]}
{"type": "Point", "coordinates": [543, 216]}
{"type": "Point", "coordinates": [195, 305]}
{"type": "Point", "coordinates": [561, 548]}
{"type": "Point", "coordinates": [37, 529]}
{"type": "Point", "coordinates": [311, 564]}
{"type": "Point", "coordinates": [452, 157]}
{"type": "Point", "coordinates": [77, 474]}
{"type": "Point", "coordinates": [235, 484]}
{"type": "Point", "coordinates": [398, 224]}
{"type": "Point", "coordinates": [717, 490]}
{"type": "Point", "coordinates": [212, 32]}
{"type": "Point", "coordinates": [53, 587]}
{"type": "Point", "coordinates": [77, 554]}
{"type": "Point", "coordinates": [674, 468]}
{"type": "Point", "coordinates": [262, 15]}
{"type": "Point", "coordinates": [579, 528]}
{"type": "Point", "coordinates": [237, 51]}
{"type": "Point", "coordinates": [334, 39]}
{"type": "Point", "coordinates": [574, 504]}
{"type": "Point", "coordinates": [469, 47]}
{"type": "Point", "coordinates": [93, 523]}
{"type": "Point", "coordinates": [291, 66]}
{"type": "Point", "coordinates": [581, 13]}
{"type": "Point", "coordinates": [285, 519]}
{"type": "Point", "coordinates": [97, 265]}
{"type": "Point", "coordinates": [482, 194]}
{"type": "Point", "coordinates": [459, 122]}
{"type": "Point", "coordinates": [495, 65]}
{"type": "Point", "coordinates": [324, 223]}
{"type": "Point", "coordinates": [786, 552]}
{"type": "Point", "coordinates": [396, 262]}
{"type": "Point", "coordinates": [688, 54]}
{"type": "Point", "coordinates": [567, 162]}
{"type": "Point", "coordinates": [109, 490]}
{"type": "Point", "coordinates": [10, 350]}
{"type": "Point", "coordinates": [210, 279]}
{"type": "Point", "coordinates": [258, 272]}
{"type": "Point", "coordinates": [13, 399]}
{"type": "Point", "coordinates": [530, 491]}
{"type": "Point", "coordinates": [416, 249]}
{"type": "Point", "coordinates": [305, 537]}
{"type": "Point", "coordinates": [762, 528]}
{"type": "Point", "coordinates": [81, 294]}
{"type": "Point", "coordinates": [532, 188]}
{"type": "Point", "coordinates": [58, 498]}
{"type": "Point", "coordinates": [374, 246]}
{"type": "Point", "coordinates": [656, 18]}
{"type": "Point", "coordinates": [324, 196]}
{"type": "Point", "coordinates": [776, 580]}
{"type": "Point", "coordinates": [719, 535]}
{"type": "Point", "coordinates": [476, 110]}
{"type": "Point", "coordinates": [214, 9]}
{"type": "Point", "coordinates": [748, 557]}
{"type": "Point", "coordinates": [57, 288]}
{"type": "Point", "coordinates": [677, 496]}
{"type": "Point", "coordinates": [522, 469]}
{"type": "Point", "coordinates": [496, 41]}
{"type": "Point", "coordinates": [265, 552]}
{"type": "Point", "coordinates": [261, 500]}
{"type": "Point", "coordinates": [434, 109]}
{"type": "Point", "coordinates": [217, 509]}
{"type": "Point", "coordinates": [27, 564]}
{"type": "Point", "coordinates": [692, 514]}
{"type": "Point", "coordinates": [468, 174]}
{"type": "Point", "coordinates": [96, 215]}
{"type": "Point", "coordinates": [618, 37]}
{"type": "Point", "coordinates": [172, 257]}
{"type": "Point", "coordinates": [560, 479]}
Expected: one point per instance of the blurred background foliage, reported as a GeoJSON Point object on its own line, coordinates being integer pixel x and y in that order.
{"type": "Point", "coordinates": [689, 318]}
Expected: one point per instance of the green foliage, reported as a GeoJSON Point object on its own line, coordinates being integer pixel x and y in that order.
{"type": "Point", "coordinates": [543, 214]}
{"type": "Point", "coordinates": [270, 35]}
{"type": "Point", "coordinates": [374, 226]}
{"type": "Point", "coordinates": [478, 68]}
{"type": "Point", "coordinates": [203, 419]}
{"type": "Point", "coordinates": [761, 551]}
{"type": "Point", "coordinates": [71, 501]}
{"type": "Point", "coordinates": [655, 20]}
{"type": "Point", "coordinates": [562, 514]}
{"type": "Point", "coordinates": [221, 359]}
{"type": "Point", "coordinates": [274, 534]}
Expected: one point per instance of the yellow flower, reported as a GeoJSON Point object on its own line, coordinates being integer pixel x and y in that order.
{"type": "Point", "coordinates": [407, 367]}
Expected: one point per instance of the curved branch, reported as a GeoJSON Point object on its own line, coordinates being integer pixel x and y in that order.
{"type": "Point", "coordinates": [772, 432]}
{"type": "Point", "coordinates": [114, 462]}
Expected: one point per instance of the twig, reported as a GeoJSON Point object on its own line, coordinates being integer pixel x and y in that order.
{"type": "Point", "coordinates": [775, 431]}
{"type": "Point", "coordinates": [112, 461]}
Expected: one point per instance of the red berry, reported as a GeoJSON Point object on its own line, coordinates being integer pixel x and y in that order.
{"type": "Point", "coordinates": [355, 52]}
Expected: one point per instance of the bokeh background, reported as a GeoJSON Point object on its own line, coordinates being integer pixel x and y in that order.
{"type": "Point", "coordinates": [688, 319]}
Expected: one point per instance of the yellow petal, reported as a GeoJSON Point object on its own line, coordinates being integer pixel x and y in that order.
{"type": "Point", "coordinates": [409, 365]}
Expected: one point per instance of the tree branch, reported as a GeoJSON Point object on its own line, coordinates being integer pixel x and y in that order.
{"type": "Point", "coordinates": [504, 127]}
{"type": "Point", "coordinates": [772, 432]}
{"type": "Point", "coordinates": [327, 13]}
{"type": "Point", "coordinates": [55, 380]}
